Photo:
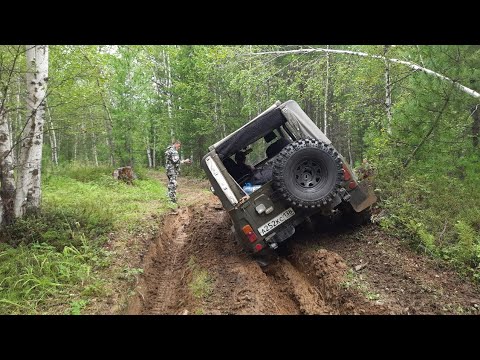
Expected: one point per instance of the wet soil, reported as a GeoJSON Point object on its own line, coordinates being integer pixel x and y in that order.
{"type": "Point", "coordinates": [195, 266]}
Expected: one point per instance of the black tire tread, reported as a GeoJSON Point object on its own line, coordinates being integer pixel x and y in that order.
{"type": "Point", "coordinates": [278, 173]}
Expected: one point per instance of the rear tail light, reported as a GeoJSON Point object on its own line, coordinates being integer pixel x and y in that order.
{"type": "Point", "coordinates": [346, 174]}
{"type": "Point", "coordinates": [247, 230]}
{"type": "Point", "coordinates": [352, 185]}
{"type": "Point", "coordinates": [258, 247]}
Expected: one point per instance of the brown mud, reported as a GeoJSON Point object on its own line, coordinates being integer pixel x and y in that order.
{"type": "Point", "coordinates": [195, 267]}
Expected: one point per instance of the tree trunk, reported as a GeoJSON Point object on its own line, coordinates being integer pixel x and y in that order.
{"type": "Point", "coordinates": [325, 107]}
{"type": "Point", "coordinates": [53, 137]}
{"type": "Point", "coordinates": [475, 125]}
{"type": "Point", "coordinates": [84, 138]}
{"type": "Point", "coordinates": [166, 62]}
{"type": "Point", "coordinates": [108, 120]}
{"type": "Point", "coordinates": [153, 151]}
{"type": "Point", "coordinates": [388, 92]}
{"type": "Point", "coordinates": [94, 139]}
{"type": "Point", "coordinates": [149, 157]}
{"type": "Point", "coordinates": [7, 180]}
{"type": "Point", "coordinates": [28, 196]}
{"type": "Point", "coordinates": [109, 128]}
{"type": "Point", "coordinates": [349, 143]}
{"type": "Point", "coordinates": [18, 124]}
{"type": "Point", "coordinates": [425, 138]}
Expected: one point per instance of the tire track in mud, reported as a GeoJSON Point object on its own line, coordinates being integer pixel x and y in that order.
{"type": "Point", "coordinates": [158, 288]}
{"type": "Point", "coordinates": [315, 277]}
{"type": "Point", "coordinates": [201, 234]}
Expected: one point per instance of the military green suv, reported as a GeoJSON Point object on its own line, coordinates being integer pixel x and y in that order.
{"type": "Point", "coordinates": [278, 170]}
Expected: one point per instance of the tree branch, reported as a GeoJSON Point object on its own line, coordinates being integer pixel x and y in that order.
{"type": "Point", "coordinates": [383, 58]}
{"type": "Point", "coordinates": [425, 138]}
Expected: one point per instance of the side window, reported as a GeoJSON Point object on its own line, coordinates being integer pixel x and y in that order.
{"type": "Point", "coordinates": [258, 152]}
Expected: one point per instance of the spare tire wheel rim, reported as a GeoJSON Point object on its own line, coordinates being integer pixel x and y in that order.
{"type": "Point", "coordinates": [310, 174]}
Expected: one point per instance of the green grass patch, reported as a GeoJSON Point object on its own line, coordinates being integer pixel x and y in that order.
{"type": "Point", "coordinates": [437, 212]}
{"type": "Point", "coordinates": [201, 285]}
{"type": "Point", "coordinates": [54, 257]}
{"type": "Point", "coordinates": [30, 274]}
{"type": "Point", "coordinates": [356, 281]}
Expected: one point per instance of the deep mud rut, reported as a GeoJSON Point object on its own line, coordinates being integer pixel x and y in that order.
{"type": "Point", "coordinates": [196, 267]}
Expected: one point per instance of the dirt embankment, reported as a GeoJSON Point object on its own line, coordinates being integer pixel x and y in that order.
{"type": "Point", "coordinates": [196, 267]}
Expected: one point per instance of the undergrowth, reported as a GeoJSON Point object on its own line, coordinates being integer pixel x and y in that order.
{"type": "Point", "coordinates": [50, 261]}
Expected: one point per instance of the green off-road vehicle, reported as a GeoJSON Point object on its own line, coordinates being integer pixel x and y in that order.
{"type": "Point", "coordinates": [295, 173]}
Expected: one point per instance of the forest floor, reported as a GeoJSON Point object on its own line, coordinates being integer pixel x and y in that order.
{"type": "Point", "coordinates": [194, 266]}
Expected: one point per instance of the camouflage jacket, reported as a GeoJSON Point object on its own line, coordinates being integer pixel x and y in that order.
{"type": "Point", "coordinates": [172, 160]}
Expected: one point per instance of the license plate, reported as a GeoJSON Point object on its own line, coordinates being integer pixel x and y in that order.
{"type": "Point", "coordinates": [272, 224]}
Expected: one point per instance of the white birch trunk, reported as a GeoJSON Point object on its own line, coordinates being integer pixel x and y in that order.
{"type": "Point", "coordinates": [75, 147]}
{"type": "Point", "coordinates": [153, 151]}
{"type": "Point", "coordinates": [349, 143]}
{"type": "Point", "coordinates": [149, 156]}
{"type": "Point", "coordinates": [84, 139]}
{"type": "Point", "coordinates": [109, 128]}
{"type": "Point", "coordinates": [94, 138]}
{"type": "Point", "coordinates": [388, 93]}
{"type": "Point", "coordinates": [169, 86]}
{"type": "Point", "coordinates": [53, 137]}
{"type": "Point", "coordinates": [18, 124]}
{"type": "Point", "coordinates": [7, 180]}
{"type": "Point", "coordinates": [28, 196]}
{"type": "Point", "coordinates": [325, 108]}
{"type": "Point", "coordinates": [168, 75]}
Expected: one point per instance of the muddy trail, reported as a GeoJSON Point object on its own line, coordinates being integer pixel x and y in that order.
{"type": "Point", "coordinates": [196, 267]}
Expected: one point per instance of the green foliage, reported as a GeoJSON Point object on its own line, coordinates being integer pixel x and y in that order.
{"type": "Point", "coordinates": [33, 274]}
{"type": "Point", "coordinates": [130, 274]}
{"type": "Point", "coordinates": [123, 101]}
{"type": "Point", "coordinates": [77, 307]}
{"type": "Point", "coordinates": [356, 281]}
{"type": "Point", "coordinates": [437, 212]}
{"type": "Point", "coordinates": [55, 255]}
{"type": "Point", "coordinates": [201, 285]}
{"type": "Point", "coordinates": [468, 246]}
{"type": "Point", "coordinates": [193, 171]}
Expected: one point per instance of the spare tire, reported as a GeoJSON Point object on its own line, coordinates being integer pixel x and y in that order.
{"type": "Point", "coordinates": [308, 173]}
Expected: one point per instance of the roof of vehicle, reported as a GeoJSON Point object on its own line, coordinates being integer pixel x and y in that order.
{"type": "Point", "coordinates": [272, 118]}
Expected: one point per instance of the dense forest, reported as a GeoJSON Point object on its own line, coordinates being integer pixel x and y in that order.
{"type": "Point", "coordinates": [78, 112]}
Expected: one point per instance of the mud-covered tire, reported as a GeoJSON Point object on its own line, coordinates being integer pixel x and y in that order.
{"type": "Point", "coordinates": [308, 173]}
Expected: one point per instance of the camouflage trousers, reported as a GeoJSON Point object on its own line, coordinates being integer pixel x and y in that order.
{"type": "Point", "coordinates": [172, 186]}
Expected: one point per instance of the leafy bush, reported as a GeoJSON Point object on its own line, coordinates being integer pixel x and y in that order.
{"type": "Point", "coordinates": [435, 209]}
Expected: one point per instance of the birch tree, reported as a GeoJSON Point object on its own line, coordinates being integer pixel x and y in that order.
{"type": "Point", "coordinates": [28, 196]}
{"type": "Point", "coordinates": [388, 91]}
{"type": "Point", "coordinates": [7, 180]}
{"type": "Point", "coordinates": [52, 136]}
{"type": "Point", "coordinates": [325, 108]}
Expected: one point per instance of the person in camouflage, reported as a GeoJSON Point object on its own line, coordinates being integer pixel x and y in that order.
{"type": "Point", "coordinates": [172, 165]}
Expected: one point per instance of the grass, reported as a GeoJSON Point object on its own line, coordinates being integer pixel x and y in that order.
{"type": "Point", "coordinates": [201, 285]}
{"type": "Point", "coordinates": [356, 281]}
{"type": "Point", "coordinates": [437, 211]}
{"type": "Point", "coordinates": [56, 261]}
